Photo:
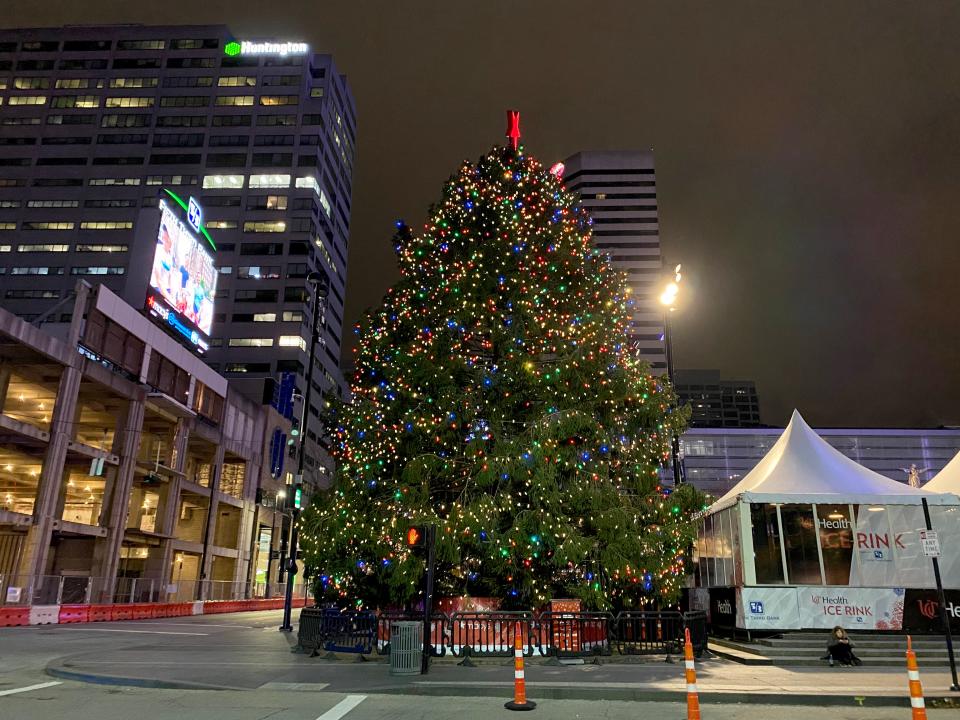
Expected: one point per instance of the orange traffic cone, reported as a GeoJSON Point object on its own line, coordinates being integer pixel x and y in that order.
{"type": "Point", "coordinates": [519, 701]}
{"type": "Point", "coordinates": [916, 690]}
{"type": "Point", "coordinates": [693, 700]}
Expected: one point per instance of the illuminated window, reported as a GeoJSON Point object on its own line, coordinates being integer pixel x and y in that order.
{"type": "Point", "coordinates": [258, 272]}
{"type": "Point", "coordinates": [271, 226]}
{"type": "Point", "coordinates": [8, 226]}
{"type": "Point", "coordinates": [316, 92]}
{"type": "Point", "coordinates": [264, 317]}
{"type": "Point", "coordinates": [235, 100]}
{"type": "Point", "coordinates": [75, 101]}
{"type": "Point", "coordinates": [131, 82]}
{"type": "Point", "coordinates": [292, 316]}
{"type": "Point", "coordinates": [269, 181]}
{"type": "Point", "coordinates": [31, 83]}
{"type": "Point", "coordinates": [237, 81]}
{"type": "Point", "coordinates": [48, 226]}
{"type": "Point", "coordinates": [99, 270]}
{"type": "Point", "coordinates": [53, 203]}
{"type": "Point", "coordinates": [141, 45]}
{"type": "Point", "coordinates": [222, 225]}
{"type": "Point", "coordinates": [27, 100]}
{"type": "Point", "coordinates": [129, 102]}
{"type": "Point", "coordinates": [217, 182]}
{"type": "Point", "coordinates": [292, 341]}
{"type": "Point", "coordinates": [100, 182]}
{"type": "Point", "coordinates": [101, 248]}
{"type": "Point", "coordinates": [251, 342]}
{"type": "Point", "coordinates": [10, 204]}
{"type": "Point", "coordinates": [43, 248]}
{"type": "Point", "coordinates": [6, 248]}
{"type": "Point", "coordinates": [36, 271]}
{"type": "Point", "coordinates": [271, 100]}
{"type": "Point", "coordinates": [106, 225]}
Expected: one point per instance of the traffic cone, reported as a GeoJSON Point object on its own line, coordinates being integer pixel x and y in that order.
{"type": "Point", "coordinates": [693, 700]}
{"type": "Point", "coordinates": [917, 706]}
{"type": "Point", "coordinates": [659, 629]}
{"type": "Point", "coordinates": [519, 701]}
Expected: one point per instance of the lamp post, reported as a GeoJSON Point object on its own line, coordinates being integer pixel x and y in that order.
{"type": "Point", "coordinates": [320, 291]}
{"type": "Point", "coordinates": [668, 298]}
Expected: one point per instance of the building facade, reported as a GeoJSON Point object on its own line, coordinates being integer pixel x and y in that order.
{"type": "Point", "coordinates": [129, 470]}
{"type": "Point", "coordinates": [716, 459]}
{"type": "Point", "coordinates": [716, 402]}
{"type": "Point", "coordinates": [619, 190]}
{"type": "Point", "coordinates": [98, 123]}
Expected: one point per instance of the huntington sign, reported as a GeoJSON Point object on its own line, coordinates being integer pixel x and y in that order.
{"type": "Point", "coordinates": [245, 47]}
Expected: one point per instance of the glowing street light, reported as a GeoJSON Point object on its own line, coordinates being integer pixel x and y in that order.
{"type": "Point", "coordinates": [668, 297]}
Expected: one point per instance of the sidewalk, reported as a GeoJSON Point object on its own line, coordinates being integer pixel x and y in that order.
{"type": "Point", "coordinates": [261, 658]}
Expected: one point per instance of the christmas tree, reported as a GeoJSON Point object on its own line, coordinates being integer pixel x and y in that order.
{"type": "Point", "coordinates": [496, 396]}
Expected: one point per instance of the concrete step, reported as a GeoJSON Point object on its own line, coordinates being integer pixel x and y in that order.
{"type": "Point", "coordinates": [888, 654]}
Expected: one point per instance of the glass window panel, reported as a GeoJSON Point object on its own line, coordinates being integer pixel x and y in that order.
{"type": "Point", "coordinates": [800, 540]}
{"type": "Point", "coordinates": [766, 544]}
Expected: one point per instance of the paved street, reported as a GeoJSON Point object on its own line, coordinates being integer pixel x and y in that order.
{"type": "Point", "coordinates": [245, 654]}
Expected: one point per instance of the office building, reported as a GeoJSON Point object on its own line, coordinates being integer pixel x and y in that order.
{"type": "Point", "coordinates": [129, 470]}
{"type": "Point", "coordinates": [715, 402]}
{"type": "Point", "coordinates": [716, 459]}
{"type": "Point", "coordinates": [619, 190]}
{"type": "Point", "coordinates": [100, 124]}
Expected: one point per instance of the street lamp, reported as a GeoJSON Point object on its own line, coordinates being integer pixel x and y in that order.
{"type": "Point", "coordinates": [668, 298]}
{"type": "Point", "coordinates": [320, 291]}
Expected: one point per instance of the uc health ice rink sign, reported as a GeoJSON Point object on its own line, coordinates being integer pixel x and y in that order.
{"type": "Point", "coordinates": [853, 608]}
{"type": "Point", "coordinates": [817, 608]}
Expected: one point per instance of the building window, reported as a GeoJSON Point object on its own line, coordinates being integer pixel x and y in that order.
{"type": "Point", "coordinates": [316, 92]}
{"type": "Point", "coordinates": [109, 203]}
{"type": "Point", "coordinates": [122, 139]}
{"type": "Point", "coordinates": [292, 341]}
{"type": "Point", "coordinates": [183, 82]}
{"type": "Point", "coordinates": [250, 342]}
{"type": "Point", "coordinates": [98, 270]}
{"type": "Point", "coordinates": [264, 317]}
{"type": "Point", "coordinates": [32, 294]}
{"type": "Point", "coordinates": [36, 271]}
{"type": "Point", "coordinates": [141, 45]}
{"type": "Point", "coordinates": [100, 182]}
{"type": "Point", "coordinates": [258, 272]}
{"type": "Point", "coordinates": [269, 181]}
{"type": "Point", "coordinates": [272, 159]}
{"type": "Point", "coordinates": [75, 101]}
{"type": "Point", "coordinates": [237, 81]}
{"type": "Point", "coordinates": [53, 203]}
{"type": "Point", "coordinates": [226, 159]}
{"type": "Point", "coordinates": [19, 120]}
{"type": "Point", "coordinates": [231, 120]}
{"type": "Point", "coordinates": [272, 140]}
{"type": "Point", "coordinates": [10, 204]}
{"type": "Point", "coordinates": [129, 102]}
{"type": "Point", "coordinates": [244, 367]}
{"type": "Point", "coordinates": [100, 248]}
{"type": "Point", "coordinates": [31, 83]}
{"type": "Point", "coordinates": [131, 82]}
{"type": "Point", "coordinates": [40, 225]}
{"type": "Point", "coordinates": [255, 296]}
{"type": "Point", "coordinates": [91, 64]}
{"type": "Point", "coordinates": [281, 80]}
{"type": "Point", "coordinates": [8, 226]}
{"type": "Point", "coordinates": [271, 100]}
{"type": "Point", "coordinates": [195, 62]}
{"type": "Point", "coordinates": [125, 120]}
{"type": "Point", "coordinates": [292, 316]}
{"type": "Point", "coordinates": [222, 182]}
{"type": "Point", "coordinates": [271, 120]}
{"type": "Point", "coordinates": [271, 226]}
{"type": "Point", "coordinates": [222, 224]}
{"type": "Point", "coordinates": [267, 202]}
{"type": "Point", "coordinates": [43, 248]}
{"type": "Point", "coordinates": [27, 100]}
{"type": "Point", "coordinates": [235, 100]}
{"type": "Point", "coordinates": [106, 225]}
{"type": "Point", "coordinates": [229, 140]}
{"type": "Point", "coordinates": [184, 101]}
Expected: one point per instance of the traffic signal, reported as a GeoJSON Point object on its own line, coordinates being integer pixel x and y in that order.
{"type": "Point", "coordinates": [416, 537]}
{"type": "Point", "coordinates": [298, 496]}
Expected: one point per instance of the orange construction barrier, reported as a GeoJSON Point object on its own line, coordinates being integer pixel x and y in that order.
{"type": "Point", "coordinates": [917, 706]}
{"type": "Point", "coordinates": [693, 700]}
{"type": "Point", "coordinates": [519, 701]}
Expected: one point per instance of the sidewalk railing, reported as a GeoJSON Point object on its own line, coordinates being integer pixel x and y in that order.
{"type": "Point", "coordinates": [21, 590]}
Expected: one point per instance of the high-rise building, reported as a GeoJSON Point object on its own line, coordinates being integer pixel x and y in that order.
{"type": "Point", "coordinates": [100, 124]}
{"type": "Point", "coordinates": [716, 402]}
{"type": "Point", "coordinates": [619, 190]}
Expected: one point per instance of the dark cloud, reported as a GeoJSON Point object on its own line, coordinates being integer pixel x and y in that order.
{"type": "Point", "coordinates": [808, 161]}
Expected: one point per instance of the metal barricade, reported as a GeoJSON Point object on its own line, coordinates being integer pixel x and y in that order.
{"type": "Point", "coordinates": [348, 631]}
{"type": "Point", "coordinates": [574, 634]}
{"type": "Point", "coordinates": [309, 635]}
{"type": "Point", "coordinates": [696, 622]}
{"type": "Point", "coordinates": [489, 634]}
{"type": "Point", "coordinates": [648, 632]}
{"type": "Point", "coordinates": [439, 630]}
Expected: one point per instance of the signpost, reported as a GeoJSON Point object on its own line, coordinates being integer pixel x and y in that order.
{"type": "Point", "coordinates": [931, 548]}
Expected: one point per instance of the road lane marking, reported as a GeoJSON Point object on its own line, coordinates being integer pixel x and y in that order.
{"type": "Point", "coordinates": [202, 624]}
{"type": "Point", "coordinates": [145, 632]}
{"type": "Point", "coordinates": [343, 707]}
{"type": "Point", "coordinates": [29, 688]}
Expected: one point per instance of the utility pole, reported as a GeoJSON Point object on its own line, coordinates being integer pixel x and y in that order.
{"type": "Point", "coordinates": [320, 291]}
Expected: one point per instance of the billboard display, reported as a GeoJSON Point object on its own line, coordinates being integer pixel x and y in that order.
{"type": "Point", "coordinates": [183, 279]}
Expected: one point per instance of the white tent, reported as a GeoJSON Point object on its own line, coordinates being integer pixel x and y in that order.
{"type": "Point", "coordinates": [802, 467]}
{"type": "Point", "coordinates": [948, 479]}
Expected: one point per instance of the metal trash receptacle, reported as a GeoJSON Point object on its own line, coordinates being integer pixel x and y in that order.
{"type": "Point", "coordinates": [406, 647]}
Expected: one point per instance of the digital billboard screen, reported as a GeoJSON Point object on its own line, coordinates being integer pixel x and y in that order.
{"type": "Point", "coordinates": [183, 278]}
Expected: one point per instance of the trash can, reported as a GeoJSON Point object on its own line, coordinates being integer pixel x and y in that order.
{"type": "Point", "coordinates": [406, 648]}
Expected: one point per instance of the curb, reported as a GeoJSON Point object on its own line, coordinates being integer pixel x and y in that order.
{"type": "Point", "coordinates": [151, 683]}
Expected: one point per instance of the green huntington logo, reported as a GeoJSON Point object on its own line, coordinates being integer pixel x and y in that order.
{"type": "Point", "coordinates": [232, 48]}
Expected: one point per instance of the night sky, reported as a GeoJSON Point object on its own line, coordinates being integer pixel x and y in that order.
{"type": "Point", "coordinates": [808, 161]}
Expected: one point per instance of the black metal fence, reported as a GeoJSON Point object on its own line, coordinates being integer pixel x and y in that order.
{"type": "Point", "coordinates": [493, 633]}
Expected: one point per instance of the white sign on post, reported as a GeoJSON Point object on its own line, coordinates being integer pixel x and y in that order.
{"type": "Point", "coordinates": [930, 542]}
